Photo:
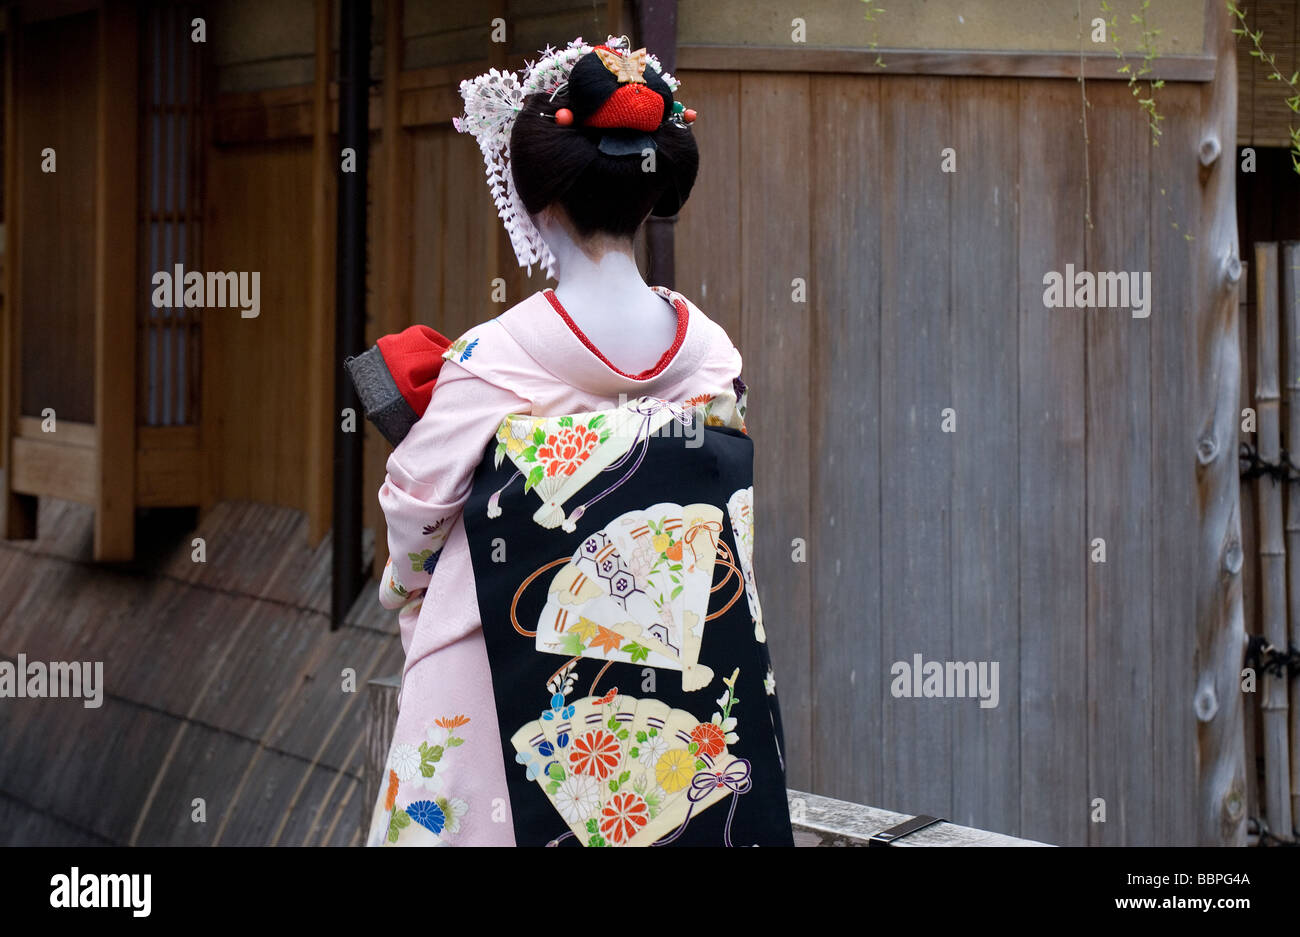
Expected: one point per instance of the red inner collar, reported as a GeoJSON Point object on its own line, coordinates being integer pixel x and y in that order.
{"type": "Point", "coordinates": [667, 356]}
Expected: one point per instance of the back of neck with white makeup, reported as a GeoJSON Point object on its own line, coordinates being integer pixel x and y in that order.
{"type": "Point", "coordinates": [608, 299]}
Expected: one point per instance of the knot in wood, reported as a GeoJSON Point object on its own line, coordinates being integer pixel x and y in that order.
{"type": "Point", "coordinates": [1207, 704]}
{"type": "Point", "coordinates": [1209, 150]}
{"type": "Point", "coordinates": [1233, 803]}
{"type": "Point", "coordinates": [1206, 450]}
{"type": "Point", "coordinates": [1232, 557]}
{"type": "Point", "coordinates": [1232, 269]}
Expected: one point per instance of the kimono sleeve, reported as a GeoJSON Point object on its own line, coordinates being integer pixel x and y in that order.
{"type": "Point", "coordinates": [430, 472]}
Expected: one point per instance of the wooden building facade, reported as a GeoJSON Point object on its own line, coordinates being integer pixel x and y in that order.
{"type": "Point", "coordinates": [874, 235]}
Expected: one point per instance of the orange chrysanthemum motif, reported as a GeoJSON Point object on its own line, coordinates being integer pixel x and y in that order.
{"type": "Point", "coordinates": [623, 816]}
{"type": "Point", "coordinates": [710, 738]}
{"type": "Point", "coordinates": [596, 754]}
{"type": "Point", "coordinates": [455, 722]}
{"type": "Point", "coordinates": [564, 451]}
{"type": "Point", "coordinates": [698, 400]}
{"type": "Point", "coordinates": [391, 797]}
{"type": "Point", "coordinates": [608, 697]}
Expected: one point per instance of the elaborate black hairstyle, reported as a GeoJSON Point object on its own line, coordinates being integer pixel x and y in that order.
{"type": "Point", "coordinates": [601, 173]}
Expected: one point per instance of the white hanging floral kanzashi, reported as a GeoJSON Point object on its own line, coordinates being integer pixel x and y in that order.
{"type": "Point", "coordinates": [493, 101]}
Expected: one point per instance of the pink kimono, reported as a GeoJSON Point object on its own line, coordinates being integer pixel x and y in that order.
{"type": "Point", "coordinates": [445, 782]}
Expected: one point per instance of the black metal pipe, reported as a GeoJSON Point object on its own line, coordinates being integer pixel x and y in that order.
{"type": "Point", "coordinates": [350, 296]}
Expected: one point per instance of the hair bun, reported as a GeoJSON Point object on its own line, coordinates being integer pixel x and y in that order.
{"type": "Point", "coordinates": [602, 98]}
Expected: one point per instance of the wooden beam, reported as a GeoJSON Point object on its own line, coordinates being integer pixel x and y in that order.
{"type": "Point", "coordinates": [1097, 66]}
{"type": "Point", "coordinates": [321, 367]}
{"type": "Point", "coordinates": [393, 309]}
{"type": "Point", "coordinates": [168, 466]}
{"type": "Point", "coordinates": [54, 469]}
{"type": "Point", "coordinates": [17, 511]}
{"type": "Point", "coordinates": [1220, 636]}
{"type": "Point", "coordinates": [115, 282]}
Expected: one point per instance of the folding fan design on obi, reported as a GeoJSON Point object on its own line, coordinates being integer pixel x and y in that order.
{"type": "Point", "coordinates": [559, 456]}
{"type": "Point", "coordinates": [638, 590]}
{"type": "Point", "coordinates": [622, 771]}
{"type": "Point", "coordinates": [740, 507]}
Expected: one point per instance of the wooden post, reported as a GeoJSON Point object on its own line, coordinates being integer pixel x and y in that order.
{"type": "Point", "coordinates": [17, 511]}
{"type": "Point", "coordinates": [321, 366]}
{"type": "Point", "coordinates": [392, 312]}
{"type": "Point", "coordinates": [1220, 637]}
{"type": "Point", "coordinates": [1291, 326]}
{"type": "Point", "coordinates": [656, 23]}
{"type": "Point", "coordinates": [116, 289]}
{"type": "Point", "coordinates": [1272, 551]}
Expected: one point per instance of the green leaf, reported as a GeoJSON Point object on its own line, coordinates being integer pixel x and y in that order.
{"type": "Point", "coordinates": [634, 752]}
{"type": "Point", "coordinates": [653, 733]}
{"type": "Point", "coordinates": [591, 825]}
{"type": "Point", "coordinates": [675, 592]}
{"type": "Point", "coordinates": [613, 722]}
{"type": "Point", "coordinates": [435, 753]}
{"type": "Point", "coordinates": [566, 421]}
{"type": "Point", "coordinates": [556, 771]}
{"type": "Point", "coordinates": [637, 652]}
{"type": "Point", "coordinates": [572, 645]}
{"type": "Point", "coordinates": [400, 820]}
{"type": "Point", "coordinates": [613, 787]}
{"type": "Point", "coordinates": [641, 736]}
{"type": "Point", "coordinates": [539, 436]}
{"type": "Point", "coordinates": [427, 770]}
{"type": "Point", "coordinates": [553, 787]}
{"type": "Point", "coordinates": [622, 778]}
{"type": "Point", "coordinates": [535, 476]}
{"type": "Point", "coordinates": [693, 747]}
{"type": "Point", "coordinates": [529, 454]}
{"type": "Point", "coordinates": [699, 764]}
{"type": "Point", "coordinates": [452, 741]}
{"type": "Point", "coordinates": [622, 735]}
{"type": "Point", "coordinates": [595, 421]}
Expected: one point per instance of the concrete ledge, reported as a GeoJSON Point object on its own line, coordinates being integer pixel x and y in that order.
{"type": "Point", "coordinates": [824, 821]}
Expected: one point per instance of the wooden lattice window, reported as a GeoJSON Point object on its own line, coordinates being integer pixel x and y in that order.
{"type": "Point", "coordinates": [171, 199]}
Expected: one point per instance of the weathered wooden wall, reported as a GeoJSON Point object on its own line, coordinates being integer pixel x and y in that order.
{"type": "Point", "coordinates": [925, 292]}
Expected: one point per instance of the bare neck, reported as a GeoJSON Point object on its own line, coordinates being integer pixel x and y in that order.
{"type": "Point", "coordinates": [604, 293]}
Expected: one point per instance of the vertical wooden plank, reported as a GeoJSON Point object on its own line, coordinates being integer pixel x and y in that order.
{"type": "Point", "coordinates": [1272, 549]}
{"type": "Point", "coordinates": [428, 183]}
{"type": "Point", "coordinates": [322, 369]}
{"type": "Point", "coordinates": [391, 309]}
{"type": "Point", "coordinates": [985, 537]}
{"type": "Point", "coordinates": [1053, 545]}
{"type": "Point", "coordinates": [18, 511]}
{"type": "Point", "coordinates": [844, 430]}
{"type": "Point", "coordinates": [1290, 261]}
{"type": "Point", "coordinates": [707, 235]}
{"type": "Point", "coordinates": [1120, 759]}
{"type": "Point", "coordinates": [916, 459]}
{"type": "Point", "coordinates": [774, 332]}
{"type": "Point", "coordinates": [115, 286]}
{"type": "Point", "coordinates": [1220, 797]}
{"type": "Point", "coordinates": [467, 240]}
{"type": "Point", "coordinates": [1172, 199]}
{"type": "Point", "coordinates": [1249, 535]}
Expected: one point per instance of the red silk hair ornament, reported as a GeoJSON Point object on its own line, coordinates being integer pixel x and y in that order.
{"type": "Point", "coordinates": [632, 106]}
